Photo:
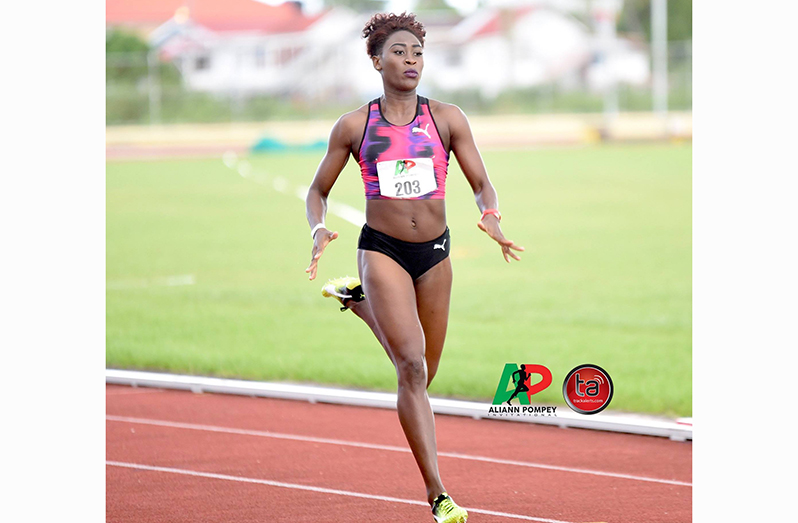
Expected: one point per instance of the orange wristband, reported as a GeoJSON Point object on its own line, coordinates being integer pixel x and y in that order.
{"type": "Point", "coordinates": [494, 212]}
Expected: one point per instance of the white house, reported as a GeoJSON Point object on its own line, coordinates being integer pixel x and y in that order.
{"type": "Point", "coordinates": [282, 51]}
{"type": "Point", "coordinates": [532, 43]}
{"type": "Point", "coordinates": [299, 56]}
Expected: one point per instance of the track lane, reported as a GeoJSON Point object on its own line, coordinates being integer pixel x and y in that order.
{"type": "Point", "coordinates": [540, 493]}
{"type": "Point", "coordinates": [377, 446]}
{"type": "Point", "coordinates": [631, 454]}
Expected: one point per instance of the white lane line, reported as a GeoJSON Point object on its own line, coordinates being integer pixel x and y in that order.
{"type": "Point", "coordinates": [322, 490]}
{"type": "Point", "coordinates": [354, 216]}
{"type": "Point", "coordinates": [230, 158]}
{"type": "Point", "coordinates": [372, 446]}
{"type": "Point", "coordinates": [565, 469]}
{"type": "Point", "coordinates": [350, 214]}
{"type": "Point", "coordinates": [244, 168]}
{"type": "Point", "coordinates": [280, 184]}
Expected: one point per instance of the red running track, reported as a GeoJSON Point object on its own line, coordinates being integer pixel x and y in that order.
{"type": "Point", "coordinates": [175, 456]}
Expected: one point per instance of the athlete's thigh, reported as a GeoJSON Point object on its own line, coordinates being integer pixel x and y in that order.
{"type": "Point", "coordinates": [433, 294]}
{"type": "Point", "coordinates": [392, 298]}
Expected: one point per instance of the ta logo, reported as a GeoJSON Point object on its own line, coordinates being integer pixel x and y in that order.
{"type": "Point", "coordinates": [587, 389]}
{"type": "Point", "coordinates": [516, 383]}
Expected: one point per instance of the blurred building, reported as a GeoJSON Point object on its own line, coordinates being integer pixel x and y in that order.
{"type": "Point", "coordinates": [530, 43]}
{"type": "Point", "coordinates": [285, 52]}
{"type": "Point", "coordinates": [245, 47]}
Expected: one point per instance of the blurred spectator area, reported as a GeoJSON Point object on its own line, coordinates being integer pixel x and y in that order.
{"type": "Point", "coordinates": [176, 61]}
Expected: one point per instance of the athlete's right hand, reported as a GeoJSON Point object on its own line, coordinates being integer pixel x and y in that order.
{"type": "Point", "coordinates": [320, 240]}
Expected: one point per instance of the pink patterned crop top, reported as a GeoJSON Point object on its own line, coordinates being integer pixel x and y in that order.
{"type": "Point", "coordinates": [403, 162]}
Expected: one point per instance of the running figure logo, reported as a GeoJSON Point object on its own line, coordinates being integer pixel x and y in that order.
{"type": "Point", "coordinates": [519, 380]}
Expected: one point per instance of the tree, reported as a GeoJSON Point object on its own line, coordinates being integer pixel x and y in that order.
{"type": "Point", "coordinates": [125, 57]}
{"type": "Point", "coordinates": [117, 41]}
{"type": "Point", "coordinates": [126, 60]}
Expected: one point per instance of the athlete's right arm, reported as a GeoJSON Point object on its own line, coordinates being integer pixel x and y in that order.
{"type": "Point", "coordinates": [327, 173]}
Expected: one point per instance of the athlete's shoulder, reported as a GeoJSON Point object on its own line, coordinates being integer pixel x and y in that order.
{"type": "Point", "coordinates": [354, 119]}
{"type": "Point", "coordinates": [350, 126]}
{"type": "Point", "coordinates": [446, 111]}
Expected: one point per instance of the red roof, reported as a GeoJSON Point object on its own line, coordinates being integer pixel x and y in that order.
{"type": "Point", "coordinates": [501, 20]}
{"type": "Point", "coordinates": [216, 15]}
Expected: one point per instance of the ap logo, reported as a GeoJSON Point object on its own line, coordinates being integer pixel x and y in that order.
{"type": "Point", "coordinates": [517, 383]}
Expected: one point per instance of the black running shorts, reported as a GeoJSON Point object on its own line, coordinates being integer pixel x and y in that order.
{"type": "Point", "coordinates": [415, 258]}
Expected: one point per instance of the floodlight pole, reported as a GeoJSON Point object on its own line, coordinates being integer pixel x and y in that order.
{"type": "Point", "coordinates": [659, 49]}
{"type": "Point", "coordinates": [611, 101]}
{"type": "Point", "coordinates": [154, 87]}
{"type": "Point", "coordinates": [605, 16]}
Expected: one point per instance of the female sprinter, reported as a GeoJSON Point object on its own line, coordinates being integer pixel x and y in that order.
{"type": "Point", "coordinates": [402, 142]}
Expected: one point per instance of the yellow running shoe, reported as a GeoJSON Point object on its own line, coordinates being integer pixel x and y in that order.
{"type": "Point", "coordinates": [344, 289]}
{"type": "Point", "coordinates": [445, 510]}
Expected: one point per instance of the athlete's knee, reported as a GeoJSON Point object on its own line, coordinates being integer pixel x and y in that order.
{"type": "Point", "coordinates": [411, 370]}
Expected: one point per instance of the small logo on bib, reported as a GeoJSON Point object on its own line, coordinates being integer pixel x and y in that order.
{"type": "Point", "coordinates": [403, 167]}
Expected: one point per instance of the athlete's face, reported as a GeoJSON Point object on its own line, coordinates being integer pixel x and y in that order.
{"type": "Point", "coordinates": [401, 61]}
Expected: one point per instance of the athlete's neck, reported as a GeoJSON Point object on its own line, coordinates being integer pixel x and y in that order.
{"type": "Point", "coordinates": [399, 105]}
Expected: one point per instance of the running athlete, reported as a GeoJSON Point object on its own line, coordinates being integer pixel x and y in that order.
{"type": "Point", "coordinates": [402, 143]}
{"type": "Point", "coordinates": [520, 382]}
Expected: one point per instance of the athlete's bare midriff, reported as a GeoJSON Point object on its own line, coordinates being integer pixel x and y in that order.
{"type": "Point", "coordinates": [410, 221]}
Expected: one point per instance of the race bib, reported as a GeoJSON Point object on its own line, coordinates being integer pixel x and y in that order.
{"type": "Point", "coordinates": [406, 178]}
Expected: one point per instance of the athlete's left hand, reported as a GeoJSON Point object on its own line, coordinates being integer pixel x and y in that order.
{"type": "Point", "coordinates": [490, 224]}
{"type": "Point", "coordinates": [320, 241]}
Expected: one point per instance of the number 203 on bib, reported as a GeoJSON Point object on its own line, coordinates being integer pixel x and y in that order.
{"type": "Point", "coordinates": [406, 178]}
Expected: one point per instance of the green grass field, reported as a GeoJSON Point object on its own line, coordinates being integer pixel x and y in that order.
{"type": "Point", "coordinates": [606, 277]}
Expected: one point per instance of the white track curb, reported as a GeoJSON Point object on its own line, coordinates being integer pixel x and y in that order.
{"type": "Point", "coordinates": [679, 430]}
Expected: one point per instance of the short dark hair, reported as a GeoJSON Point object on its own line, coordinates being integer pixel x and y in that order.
{"type": "Point", "coordinates": [383, 25]}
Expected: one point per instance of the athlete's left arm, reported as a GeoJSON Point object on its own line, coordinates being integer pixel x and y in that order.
{"type": "Point", "coordinates": [462, 143]}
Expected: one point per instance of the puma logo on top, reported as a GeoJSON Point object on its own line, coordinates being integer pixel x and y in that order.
{"type": "Point", "coordinates": [441, 246]}
{"type": "Point", "coordinates": [420, 130]}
